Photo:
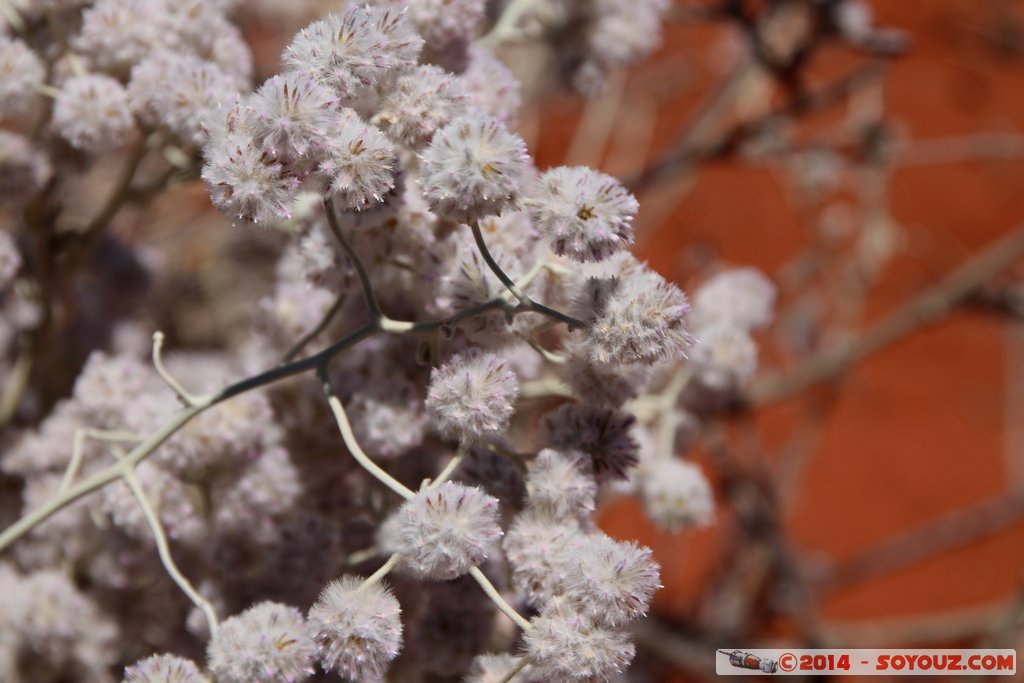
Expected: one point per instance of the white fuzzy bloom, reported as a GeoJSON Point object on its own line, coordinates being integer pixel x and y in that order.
{"type": "Point", "coordinates": [472, 396]}
{"type": "Point", "coordinates": [164, 669]}
{"type": "Point", "coordinates": [358, 630]}
{"type": "Point", "coordinates": [738, 297]}
{"type": "Point", "coordinates": [245, 181]}
{"type": "Point", "coordinates": [359, 162]}
{"type": "Point", "coordinates": [176, 507]}
{"type": "Point", "coordinates": [566, 647]}
{"type": "Point", "coordinates": [267, 643]}
{"type": "Point", "coordinates": [558, 486]}
{"type": "Point", "coordinates": [24, 169]}
{"type": "Point", "coordinates": [355, 50]}
{"type": "Point", "coordinates": [293, 112]}
{"type": "Point", "coordinates": [387, 416]}
{"type": "Point", "coordinates": [491, 85]}
{"type": "Point", "coordinates": [181, 92]}
{"type": "Point", "coordinates": [613, 582]}
{"type": "Point", "coordinates": [92, 113]}
{"type": "Point", "coordinates": [635, 318]}
{"type": "Point", "coordinates": [418, 102]}
{"type": "Point", "coordinates": [723, 357]}
{"type": "Point", "coordinates": [107, 385]}
{"type": "Point", "coordinates": [541, 552]}
{"type": "Point", "coordinates": [441, 533]}
{"type": "Point", "coordinates": [625, 31]}
{"type": "Point", "coordinates": [675, 493]}
{"type": "Point", "coordinates": [493, 669]}
{"type": "Point", "coordinates": [21, 72]}
{"type": "Point", "coordinates": [473, 283]}
{"type": "Point", "coordinates": [602, 384]}
{"type": "Point", "coordinates": [473, 167]}
{"type": "Point", "coordinates": [116, 34]}
{"type": "Point", "coordinates": [586, 215]}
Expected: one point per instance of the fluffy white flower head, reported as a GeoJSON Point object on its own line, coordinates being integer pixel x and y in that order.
{"type": "Point", "coordinates": [357, 631]}
{"type": "Point", "coordinates": [723, 357]}
{"type": "Point", "coordinates": [586, 215]}
{"type": "Point", "coordinates": [417, 103]}
{"type": "Point", "coordinates": [636, 318]}
{"type": "Point", "coordinates": [675, 494]}
{"type": "Point", "coordinates": [292, 111]}
{"type": "Point", "coordinates": [92, 113]}
{"type": "Point", "coordinates": [358, 167]}
{"type": "Point", "coordinates": [613, 582]}
{"type": "Point", "coordinates": [740, 297]}
{"type": "Point", "coordinates": [164, 669]}
{"type": "Point", "coordinates": [355, 50]}
{"type": "Point", "coordinates": [472, 396]}
{"type": "Point", "coordinates": [21, 71]}
{"type": "Point", "coordinates": [267, 643]}
{"type": "Point", "coordinates": [472, 168]}
{"type": "Point", "coordinates": [441, 533]}
{"type": "Point", "coordinates": [566, 647]}
{"type": "Point", "coordinates": [558, 486]}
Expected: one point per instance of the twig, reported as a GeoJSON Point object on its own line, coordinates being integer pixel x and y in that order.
{"type": "Point", "coordinates": [364, 276]}
{"type": "Point", "coordinates": [78, 450]}
{"type": "Point", "coordinates": [960, 528]}
{"type": "Point", "coordinates": [926, 308]}
{"type": "Point", "coordinates": [353, 445]}
{"type": "Point", "coordinates": [165, 552]}
{"type": "Point", "coordinates": [513, 287]}
{"type": "Point", "coordinates": [511, 673]}
{"type": "Point", "coordinates": [391, 563]}
{"type": "Point", "coordinates": [158, 362]}
{"type": "Point", "coordinates": [498, 600]}
{"type": "Point", "coordinates": [297, 348]}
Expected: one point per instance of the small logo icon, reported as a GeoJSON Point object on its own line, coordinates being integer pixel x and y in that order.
{"type": "Point", "coordinates": [745, 660]}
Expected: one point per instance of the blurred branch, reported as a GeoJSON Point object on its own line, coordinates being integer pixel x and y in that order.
{"type": "Point", "coordinates": [960, 528]}
{"type": "Point", "coordinates": [928, 307]}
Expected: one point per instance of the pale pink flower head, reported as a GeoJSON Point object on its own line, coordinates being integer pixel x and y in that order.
{"type": "Point", "coordinates": [442, 533]}
{"type": "Point", "coordinates": [738, 297]}
{"type": "Point", "coordinates": [267, 643]}
{"type": "Point", "coordinates": [359, 163]}
{"type": "Point", "coordinates": [613, 582]}
{"type": "Point", "coordinates": [567, 647]}
{"type": "Point", "coordinates": [355, 50]}
{"type": "Point", "coordinates": [292, 114]}
{"type": "Point", "coordinates": [21, 72]}
{"type": "Point", "coordinates": [92, 113]}
{"type": "Point", "coordinates": [472, 396]}
{"type": "Point", "coordinates": [164, 669]}
{"type": "Point", "coordinates": [584, 214]}
{"type": "Point", "coordinates": [357, 629]}
{"type": "Point", "coordinates": [473, 167]}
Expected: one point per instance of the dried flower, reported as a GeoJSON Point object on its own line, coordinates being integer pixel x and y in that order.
{"type": "Point", "coordinates": [613, 581]}
{"type": "Point", "coordinates": [566, 647]}
{"type": "Point", "coordinates": [357, 628]}
{"type": "Point", "coordinates": [292, 113]}
{"type": "Point", "coordinates": [472, 396]}
{"type": "Point", "coordinates": [267, 643]}
{"type": "Point", "coordinates": [355, 50]}
{"type": "Point", "coordinates": [541, 552]}
{"type": "Point", "coordinates": [21, 73]}
{"type": "Point", "coordinates": [723, 357]}
{"type": "Point", "coordinates": [636, 318]}
{"type": "Point", "coordinates": [738, 297]}
{"type": "Point", "coordinates": [557, 485]}
{"type": "Point", "coordinates": [601, 434]}
{"type": "Point", "coordinates": [441, 533]}
{"type": "Point", "coordinates": [358, 166]}
{"type": "Point", "coordinates": [416, 103]}
{"type": "Point", "coordinates": [586, 215]}
{"type": "Point", "coordinates": [164, 669]}
{"type": "Point", "coordinates": [675, 493]}
{"type": "Point", "coordinates": [92, 113]}
{"type": "Point", "coordinates": [472, 168]}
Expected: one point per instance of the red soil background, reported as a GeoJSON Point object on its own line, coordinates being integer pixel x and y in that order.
{"type": "Point", "coordinates": [926, 427]}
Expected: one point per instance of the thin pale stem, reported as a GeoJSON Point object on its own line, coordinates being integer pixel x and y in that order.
{"type": "Point", "coordinates": [498, 600]}
{"type": "Point", "coordinates": [380, 573]}
{"type": "Point", "coordinates": [165, 552]}
{"type": "Point", "coordinates": [357, 263]}
{"type": "Point", "coordinates": [78, 450]}
{"type": "Point", "coordinates": [511, 673]}
{"type": "Point", "coordinates": [450, 467]}
{"type": "Point", "coordinates": [353, 446]}
{"type": "Point", "coordinates": [158, 362]}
